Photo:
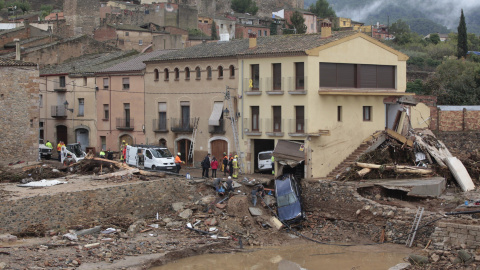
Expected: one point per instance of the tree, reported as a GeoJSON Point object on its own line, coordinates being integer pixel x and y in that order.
{"type": "Point", "coordinates": [2, 4]}
{"type": "Point", "coordinates": [434, 38]}
{"type": "Point", "coordinates": [23, 6]}
{"type": "Point", "coordinates": [322, 9]}
{"type": "Point", "coordinates": [401, 31]}
{"type": "Point", "coordinates": [214, 31]}
{"type": "Point", "coordinates": [298, 23]}
{"type": "Point", "coordinates": [273, 28]}
{"type": "Point", "coordinates": [462, 45]}
{"type": "Point", "coordinates": [46, 10]}
{"type": "Point", "coordinates": [244, 6]}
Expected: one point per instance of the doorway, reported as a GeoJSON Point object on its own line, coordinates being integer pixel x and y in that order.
{"type": "Point", "coordinates": [183, 146]}
{"type": "Point", "coordinates": [218, 147]}
{"type": "Point", "coordinates": [62, 134]}
{"type": "Point", "coordinates": [260, 145]}
{"type": "Point", "coordinates": [82, 138]}
{"type": "Point", "coordinates": [127, 138]}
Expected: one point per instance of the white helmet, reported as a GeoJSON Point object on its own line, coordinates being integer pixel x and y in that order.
{"type": "Point", "coordinates": [179, 154]}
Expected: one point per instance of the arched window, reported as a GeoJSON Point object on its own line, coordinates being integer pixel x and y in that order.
{"type": "Point", "coordinates": [187, 73]}
{"type": "Point", "coordinates": [177, 74]}
{"type": "Point", "coordinates": [156, 74]}
{"type": "Point", "coordinates": [163, 143]}
{"type": "Point", "coordinates": [232, 71]}
{"type": "Point", "coordinates": [198, 73]}
{"type": "Point", "coordinates": [209, 73]}
{"type": "Point", "coordinates": [166, 74]}
{"type": "Point", "coordinates": [220, 72]}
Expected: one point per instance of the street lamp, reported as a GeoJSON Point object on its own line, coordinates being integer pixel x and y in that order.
{"type": "Point", "coordinates": [66, 106]}
{"type": "Point", "coordinates": [226, 113]}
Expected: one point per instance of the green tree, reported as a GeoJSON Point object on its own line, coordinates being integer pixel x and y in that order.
{"type": "Point", "coordinates": [196, 32]}
{"type": "Point", "coordinates": [23, 6]}
{"type": "Point", "coordinates": [434, 38]}
{"type": "Point", "coordinates": [214, 31]}
{"type": "Point", "coordinates": [2, 4]}
{"type": "Point", "coordinates": [322, 9]}
{"type": "Point", "coordinates": [401, 30]}
{"type": "Point", "coordinates": [244, 6]}
{"type": "Point", "coordinates": [298, 23]}
{"type": "Point", "coordinates": [46, 10]}
{"type": "Point", "coordinates": [462, 45]}
{"type": "Point", "coordinates": [416, 87]}
{"type": "Point", "coordinates": [273, 28]}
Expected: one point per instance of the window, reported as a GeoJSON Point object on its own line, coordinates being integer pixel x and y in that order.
{"type": "Point", "coordinates": [103, 140]}
{"type": "Point", "coordinates": [277, 76]}
{"type": "Point", "coordinates": [339, 113]}
{"type": "Point", "coordinates": [105, 83]}
{"type": "Point", "coordinates": [40, 100]}
{"type": "Point", "coordinates": [185, 107]}
{"type": "Point", "coordinates": [367, 113]}
{"type": "Point", "coordinates": [265, 33]}
{"type": "Point", "coordinates": [126, 83]}
{"type": "Point", "coordinates": [221, 25]}
{"type": "Point", "coordinates": [162, 116]}
{"type": "Point", "coordinates": [127, 34]}
{"type": "Point", "coordinates": [187, 73]}
{"type": "Point", "coordinates": [156, 74]}
{"type": "Point", "coordinates": [220, 72]}
{"type": "Point", "coordinates": [255, 76]}
{"type": "Point", "coordinates": [299, 119]}
{"type": "Point", "coordinates": [249, 31]}
{"type": "Point", "coordinates": [357, 76]}
{"type": "Point", "coordinates": [106, 112]}
{"type": "Point", "coordinates": [81, 107]}
{"type": "Point", "coordinates": [126, 114]}
{"type": "Point", "coordinates": [277, 118]}
{"type": "Point", "coordinates": [177, 74]}
{"type": "Point", "coordinates": [232, 71]}
{"type": "Point", "coordinates": [259, 33]}
{"type": "Point", "coordinates": [62, 81]}
{"type": "Point", "coordinates": [140, 42]}
{"type": "Point", "coordinates": [205, 21]}
{"type": "Point", "coordinates": [255, 118]}
{"type": "Point", "coordinates": [209, 73]}
{"type": "Point", "coordinates": [121, 42]}
{"type": "Point", "coordinates": [163, 143]}
{"type": "Point", "coordinates": [299, 76]}
{"type": "Point", "coordinates": [198, 73]}
{"type": "Point", "coordinates": [166, 74]}
{"type": "Point", "coordinates": [41, 135]}
{"type": "Point", "coordinates": [84, 81]}
{"type": "Point", "coordinates": [149, 154]}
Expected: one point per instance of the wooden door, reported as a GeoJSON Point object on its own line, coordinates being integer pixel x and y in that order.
{"type": "Point", "coordinates": [219, 147]}
{"type": "Point", "coordinates": [62, 134]}
{"type": "Point", "coordinates": [183, 146]}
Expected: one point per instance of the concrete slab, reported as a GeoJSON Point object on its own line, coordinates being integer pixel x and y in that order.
{"type": "Point", "coordinates": [254, 211]}
{"type": "Point", "coordinates": [420, 187]}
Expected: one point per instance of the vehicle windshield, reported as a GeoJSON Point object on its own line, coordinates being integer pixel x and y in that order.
{"type": "Point", "coordinates": [286, 199]}
{"type": "Point", "coordinates": [263, 156]}
{"type": "Point", "coordinates": [163, 152]}
{"type": "Point", "coordinates": [76, 149]}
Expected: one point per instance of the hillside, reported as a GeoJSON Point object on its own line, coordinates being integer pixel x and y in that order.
{"type": "Point", "coordinates": [423, 16]}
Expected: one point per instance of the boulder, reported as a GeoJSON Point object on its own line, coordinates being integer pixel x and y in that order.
{"type": "Point", "coordinates": [211, 221]}
{"type": "Point", "coordinates": [417, 259]}
{"type": "Point", "coordinates": [465, 256]}
{"type": "Point", "coordinates": [178, 206]}
{"type": "Point", "coordinates": [255, 211]}
{"type": "Point", "coordinates": [186, 214]}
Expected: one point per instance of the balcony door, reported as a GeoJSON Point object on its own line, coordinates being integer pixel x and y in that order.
{"type": "Point", "coordinates": [126, 108]}
{"type": "Point", "coordinates": [185, 116]}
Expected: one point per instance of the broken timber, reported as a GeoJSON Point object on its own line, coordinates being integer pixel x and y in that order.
{"type": "Point", "coordinates": [399, 137]}
{"type": "Point", "coordinates": [438, 153]}
{"type": "Point", "coordinates": [396, 168]}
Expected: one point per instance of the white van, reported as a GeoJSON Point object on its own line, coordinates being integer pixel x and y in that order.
{"type": "Point", "coordinates": [149, 156]}
{"type": "Point", "coordinates": [265, 161]}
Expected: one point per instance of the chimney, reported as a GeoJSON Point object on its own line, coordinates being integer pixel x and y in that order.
{"type": "Point", "coordinates": [252, 40]}
{"type": "Point", "coordinates": [17, 49]}
{"type": "Point", "coordinates": [26, 23]}
{"type": "Point", "coordinates": [326, 29]}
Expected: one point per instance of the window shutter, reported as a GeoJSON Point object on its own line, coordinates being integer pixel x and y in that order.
{"type": "Point", "coordinates": [386, 77]}
{"type": "Point", "coordinates": [368, 76]}
{"type": "Point", "coordinates": [346, 75]}
{"type": "Point", "coordinates": [328, 75]}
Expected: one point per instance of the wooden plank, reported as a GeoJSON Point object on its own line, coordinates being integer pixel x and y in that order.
{"type": "Point", "coordinates": [381, 139]}
{"type": "Point", "coordinates": [460, 173]}
{"type": "Point", "coordinates": [439, 156]}
{"type": "Point", "coordinates": [399, 137]}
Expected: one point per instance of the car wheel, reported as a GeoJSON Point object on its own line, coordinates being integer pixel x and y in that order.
{"type": "Point", "coordinates": [153, 167]}
{"type": "Point", "coordinates": [48, 157]}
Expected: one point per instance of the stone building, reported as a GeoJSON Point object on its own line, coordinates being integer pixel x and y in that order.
{"type": "Point", "coordinates": [81, 16]}
{"type": "Point", "coordinates": [19, 108]}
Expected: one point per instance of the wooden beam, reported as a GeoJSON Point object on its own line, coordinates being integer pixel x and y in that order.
{"type": "Point", "coordinates": [399, 137]}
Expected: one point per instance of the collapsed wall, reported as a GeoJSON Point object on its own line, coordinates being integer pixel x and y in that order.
{"type": "Point", "coordinates": [61, 210]}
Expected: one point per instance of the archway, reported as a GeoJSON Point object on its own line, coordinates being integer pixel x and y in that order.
{"type": "Point", "coordinates": [81, 135]}
{"type": "Point", "coordinates": [218, 147]}
{"type": "Point", "coordinates": [127, 138]}
{"type": "Point", "coordinates": [162, 142]}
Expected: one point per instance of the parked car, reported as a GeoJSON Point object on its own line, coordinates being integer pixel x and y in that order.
{"type": "Point", "coordinates": [45, 152]}
{"type": "Point", "coordinates": [289, 200]}
{"type": "Point", "coordinates": [153, 157]}
{"type": "Point", "coordinates": [265, 161]}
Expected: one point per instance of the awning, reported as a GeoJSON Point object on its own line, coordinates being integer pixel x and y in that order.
{"type": "Point", "coordinates": [214, 119]}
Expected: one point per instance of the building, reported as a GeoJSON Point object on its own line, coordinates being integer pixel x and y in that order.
{"type": "Point", "coordinates": [310, 19]}
{"type": "Point", "coordinates": [247, 24]}
{"type": "Point", "coordinates": [189, 85]}
{"type": "Point", "coordinates": [81, 17]}
{"type": "Point", "coordinates": [69, 93]}
{"type": "Point", "coordinates": [19, 106]}
{"type": "Point", "coordinates": [120, 102]}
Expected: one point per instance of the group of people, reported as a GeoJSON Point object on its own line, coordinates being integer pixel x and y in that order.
{"type": "Point", "coordinates": [219, 188]}
{"type": "Point", "coordinates": [229, 165]}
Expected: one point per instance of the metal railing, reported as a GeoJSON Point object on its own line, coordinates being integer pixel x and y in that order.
{"type": "Point", "coordinates": [125, 123]}
{"type": "Point", "coordinates": [274, 126]}
{"type": "Point", "coordinates": [59, 111]}
{"type": "Point", "coordinates": [286, 84]}
{"type": "Point", "coordinates": [160, 125]}
{"type": "Point", "coordinates": [182, 125]}
{"type": "Point", "coordinates": [297, 126]}
{"type": "Point", "coordinates": [220, 129]}
{"type": "Point", "coordinates": [250, 127]}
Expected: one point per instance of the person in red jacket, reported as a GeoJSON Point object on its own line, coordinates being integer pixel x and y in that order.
{"type": "Point", "coordinates": [214, 166]}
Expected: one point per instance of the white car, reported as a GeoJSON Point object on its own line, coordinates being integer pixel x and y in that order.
{"type": "Point", "coordinates": [45, 152]}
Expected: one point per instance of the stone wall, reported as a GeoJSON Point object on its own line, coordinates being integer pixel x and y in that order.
{"type": "Point", "coordinates": [19, 110]}
{"type": "Point", "coordinates": [452, 235]}
{"type": "Point", "coordinates": [58, 211]}
{"type": "Point", "coordinates": [460, 143]}
{"type": "Point", "coordinates": [82, 16]}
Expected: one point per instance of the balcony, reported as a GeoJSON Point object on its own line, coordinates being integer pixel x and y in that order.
{"type": "Point", "coordinates": [274, 129]}
{"type": "Point", "coordinates": [252, 128]}
{"type": "Point", "coordinates": [250, 91]}
{"type": "Point", "coordinates": [59, 111]}
{"type": "Point", "coordinates": [297, 128]}
{"type": "Point", "coordinates": [220, 129]}
{"type": "Point", "coordinates": [125, 123]}
{"type": "Point", "coordinates": [160, 125]}
{"type": "Point", "coordinates": [179, 125]}
{"type": "Point", "coordinates": [59, 87]}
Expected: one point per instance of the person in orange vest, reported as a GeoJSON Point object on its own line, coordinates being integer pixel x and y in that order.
{"type": "Point", "coordinates": [178, 162]}
{"type": "Point", "coordinates": [224, 164]}
{"type": "Point", "coordinates": [59, 150]}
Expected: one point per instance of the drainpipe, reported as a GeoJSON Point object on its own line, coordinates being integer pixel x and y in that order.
{"type": "Point", "coordinates": [17, 49]}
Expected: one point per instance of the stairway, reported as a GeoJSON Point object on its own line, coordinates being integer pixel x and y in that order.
{"type": "Point", "coordinates": [350, 160]}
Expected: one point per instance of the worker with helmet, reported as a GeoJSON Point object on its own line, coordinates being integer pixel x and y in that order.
{"type": "Point", "coordinates": [178, 162]}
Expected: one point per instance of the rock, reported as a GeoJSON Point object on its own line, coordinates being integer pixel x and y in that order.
{"type": "Point", "coordinates": [178, 206]}
{"type": "Point", "coordinates": [186, 214]}
{"type": "Point", "coordinates": [90, 246]}
{"type": "Point", "coordinates": [136, 227]}
{"type": "Point", "coordinates": [8, 238]}
{"type": "Point", "coordinates": [211, 221]}
{"type": "Point", "coordinates": [75, 262]}
{"type": "Point", "coordinates": [435, 257]}
{"type": "Point", "coordinates": [457, 261]}
{"type": "Point", "coordinates": [3, 265]}
{"type": "Point", "coordinates": [400, 266]}
{"type": "Point", "coordinates": [270, 200]}
{"type": "Point", "coordinates": [71, 236]}
{"type": "Point", "coordinates": [207, 199]}
{"type": "Point", "coordinates": [417, 259]}
{"type": "Point", "coordinates": [465, 256]}
{"type": "Point", "coordinates": [254, 211]}
{"type": "Point", "coordinates": [390, 214]}
{"type": "Point", "coordinates": [93, 230]}
{"type": "Point", "coordinates": [358, 212]}
{"type": "Point", "coordinates": [174, 224]}
{"type": "Point", "coordinates": [167, 220]}
{"type": "Point", "coordinates": [378, 197]}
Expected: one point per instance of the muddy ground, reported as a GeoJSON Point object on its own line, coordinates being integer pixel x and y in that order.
{"type": "Point", "coordinates": [140, 244]}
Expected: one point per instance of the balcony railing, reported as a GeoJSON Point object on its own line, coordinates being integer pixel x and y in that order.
{"type": "Point", "coordinates": [180, 125]}
{"type": "Point", "coordinates": [59, 87]}
{"type": "Point", "coordinates": [160, 125]}
{"type": "Point", "coordinates": [220, 129]}
{"type": "Point", "coordinates": [274, 126]}
{"type": "Point", "coordinates": [297, 128]}
{"type": "Point", "coordinates": [253, 127]}
{"type": "Point", "coordinates": [125, 123]}
{"type": "Point", "coordinates": [268, 84]}
{"type": "Point", "coordinates": [59, 111]}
